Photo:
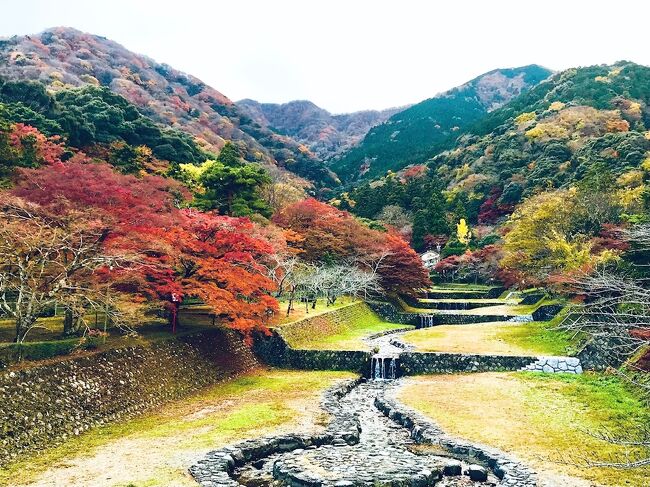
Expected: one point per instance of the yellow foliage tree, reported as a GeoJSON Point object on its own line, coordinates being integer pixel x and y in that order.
{"type": "Point", "coordinates": [525, 117]}
{"type": "Point", "coordinates": [463, 233]}
{"type": "Point", "coordinates": [543, 237]}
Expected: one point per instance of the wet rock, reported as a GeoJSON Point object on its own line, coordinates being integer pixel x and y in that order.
{"type": "Point", "coordinates": [477, 473]}
{"type": "Point", "coordinates": [453, 468]}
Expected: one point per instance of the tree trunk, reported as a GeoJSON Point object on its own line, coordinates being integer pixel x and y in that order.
{"type": "Point", "coordinates": [23, 325]}
{"type": "Point", "coordinates": [173, 317]}
{"type": "Point", "coordinates": [71, 322]}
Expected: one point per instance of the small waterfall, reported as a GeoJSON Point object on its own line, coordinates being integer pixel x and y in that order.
{"type": "Point", "coordinates": [383, 368]}
{"type": "Point", "coordinates": [521, 319]}
{"type": "Point", "coordinates": [426, 321]}
{"type": "Point", "coordinates": [377, 371]}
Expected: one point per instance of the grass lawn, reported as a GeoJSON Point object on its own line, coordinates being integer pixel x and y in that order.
{"type": "Point", "coordinates": [351, 338]}
{"type": "Point", "coordinates": [327, 332]}
{"type": "Point", "coordinates": [157, 448]}
{"type": "Point", "coordinates": [301, 311]}
{"type": "Point", "coordinates": [543, 419]}
{"type": "Point", "coordinates": [498, 338]}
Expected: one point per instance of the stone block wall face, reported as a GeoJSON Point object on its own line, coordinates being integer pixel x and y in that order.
{"type": "Point", "coordinates": [47, 404]}
{"type": "Point", "coordinates": [546, 312]}
{"type": "Point", "coordinates": [274, 350]}
{"type": "Point", "coordinates": [391, 313]}
{"type": "Point", "coordinates": [412, 363]}
{"type": "Point", "coordinates": [532, 298]}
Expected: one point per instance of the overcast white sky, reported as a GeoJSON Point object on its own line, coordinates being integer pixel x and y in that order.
{"type": "Point", "coordinates": [348, 55]}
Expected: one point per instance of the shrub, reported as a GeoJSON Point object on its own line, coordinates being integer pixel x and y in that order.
{"type": "Point", "coordinates": [15, 352]}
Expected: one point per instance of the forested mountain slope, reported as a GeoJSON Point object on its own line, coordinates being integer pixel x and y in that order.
{"type": "Point", "coordinates": [539, 189]}
{"type": "Point", "coordinates": [578, 120]}
{"type": "Point", "coordinates": [419, 132]}
{"type": "Point", "coordinates": [64, 57]}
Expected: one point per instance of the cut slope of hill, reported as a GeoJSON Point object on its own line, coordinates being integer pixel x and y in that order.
{"type": "Point", "coordinates": [419, 132]}
{"type": "Point", "coordinates": [63, 57]}
{"type": "Point", "coordinates": [325, 134]}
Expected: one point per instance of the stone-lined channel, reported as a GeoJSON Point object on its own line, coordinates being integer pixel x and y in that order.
{"type": "Point", "coordinates": [371, 441]}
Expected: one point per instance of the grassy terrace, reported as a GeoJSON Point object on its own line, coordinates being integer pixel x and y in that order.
{"type": "Point", "coordinates": [543, 419]}
{"type": "Point", "coordinates": [461, 287]}
{"type": "Point", "coordinates": [471, 300]}
{"type": "Point", "coordinates": [501, 308]}
{"type": "Point", "coordinates": [496, 338]}
{"type": "Point", "coordinates": [157, 448]}
{"type": "Point", "coordinates": [300, 311]}
{"type": "Point", "coordinates": [327, 333]}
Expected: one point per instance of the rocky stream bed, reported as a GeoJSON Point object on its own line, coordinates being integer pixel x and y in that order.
{"type": "Point", "coordinates": [371, 440]}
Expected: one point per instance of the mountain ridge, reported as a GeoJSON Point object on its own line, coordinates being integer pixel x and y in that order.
{"type": "Point", "coordinates": [326, 134]}
{"type": "Point", "coordinates": [63, 56]}
{"type": "Point", "coordinates": [430, 126]}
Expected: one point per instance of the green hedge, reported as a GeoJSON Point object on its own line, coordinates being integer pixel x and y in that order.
{"type": "Point", "coordinates": [15, 352]}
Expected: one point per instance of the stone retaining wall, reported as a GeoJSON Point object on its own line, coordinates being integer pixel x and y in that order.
{"type": "Point", "coordinates": [446, 305]}
{"type": "Point", "coordinates": [447, 363]}
{"type": "Point", "coordinates": [546, 312]}
{"type": "Point", "coordinates": [275, 351]}
{"type": "Point", "coordinates": [493, 292]}
{"type": "Point", "coordinates": [44, 405]}
{"type": "Point", "coordinates": [532, 298]}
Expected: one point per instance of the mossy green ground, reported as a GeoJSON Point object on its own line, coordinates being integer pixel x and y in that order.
{"type": "Point", "coordinates": [157, 448]}
{"type": "Point", "coordinates": [543, 419]}
{"type": "Point", "coordinates": [300, 311]}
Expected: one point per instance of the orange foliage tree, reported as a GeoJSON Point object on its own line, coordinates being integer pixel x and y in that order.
{"type": "Point", "coordinates": [330, 235]}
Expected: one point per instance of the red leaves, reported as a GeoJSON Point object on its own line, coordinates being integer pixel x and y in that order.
{"type": "Point", "coordinates": [180, 253]}
{"type": "Point", "coordinates": [490, 210]}
{"type": "Point", "coordinates": [331, 234]}
{"type": "Point", "coordinates": [33, 148]}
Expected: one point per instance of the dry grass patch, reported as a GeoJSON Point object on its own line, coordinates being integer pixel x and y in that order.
{"type": "Point", "coordinates": [539, 418]}
{"type": "Point", "coordinates": [498, 338]}
{"type": "Point", "coordinates": [157, 448]}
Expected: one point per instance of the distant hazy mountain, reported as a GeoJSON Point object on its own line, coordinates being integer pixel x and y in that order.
{"type": "Point", "coordinates": [325, 134]}
{"type": "Point", "coordinates": [424, 129]}
{"type": "Point", "coordinates": [63, 57]}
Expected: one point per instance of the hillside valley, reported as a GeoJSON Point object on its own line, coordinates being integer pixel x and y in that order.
{"type": "Point", "coordinates": [196, 291]}
{"type": "Point", "coordinates": [325, 134]}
